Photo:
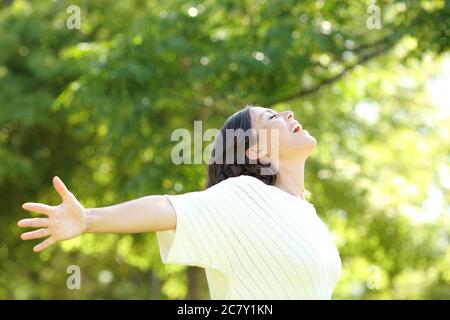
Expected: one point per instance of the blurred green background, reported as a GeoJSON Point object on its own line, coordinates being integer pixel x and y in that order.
{"type": "Point", "coordinates": [97, 106]}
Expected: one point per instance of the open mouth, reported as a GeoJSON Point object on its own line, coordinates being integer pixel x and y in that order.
{"type": "Point", "coordinates": [297, 128]}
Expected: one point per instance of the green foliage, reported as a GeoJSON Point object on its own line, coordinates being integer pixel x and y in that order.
{"type": "Point", "coordinates": [97, 106]}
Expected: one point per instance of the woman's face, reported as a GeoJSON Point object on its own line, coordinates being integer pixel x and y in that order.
{"type": "Point", "coordinates": [281, 133]}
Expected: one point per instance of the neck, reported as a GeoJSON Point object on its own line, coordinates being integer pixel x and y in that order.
{"type": "Point", "coordinates": [291, 178]}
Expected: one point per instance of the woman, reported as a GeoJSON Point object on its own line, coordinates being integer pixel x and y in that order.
{"type": "Point", "coordinates": [251, 229]}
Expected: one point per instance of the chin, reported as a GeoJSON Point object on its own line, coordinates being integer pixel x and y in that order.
{"type": "Point", "coordinates": [308, 140]}
{"type": "Point", "coordinates": [308, 144]}
{"type": "Point", "coordinates": [301, 146]}
{"type": "Point", "coordinates": [313, 141]}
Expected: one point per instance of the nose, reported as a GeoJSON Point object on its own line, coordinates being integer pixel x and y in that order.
{"type": "Point", "coordinates": [289, 114]}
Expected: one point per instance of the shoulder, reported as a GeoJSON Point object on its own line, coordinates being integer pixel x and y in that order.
{"type": "Point", "coordinates": [241, 186]}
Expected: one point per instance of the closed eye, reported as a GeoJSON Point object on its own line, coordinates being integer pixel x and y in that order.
{"type": "Point", "coordinates": [273, 116]}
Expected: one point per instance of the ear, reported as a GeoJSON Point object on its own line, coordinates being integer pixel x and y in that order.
{"type": "Point", "coordinates": [254, 153]}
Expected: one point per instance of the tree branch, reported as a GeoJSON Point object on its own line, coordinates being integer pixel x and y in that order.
{"type": "Point", "coordinates": [384, 47]}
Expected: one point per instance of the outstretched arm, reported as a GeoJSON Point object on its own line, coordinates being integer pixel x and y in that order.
{"type": "Point", "coordinates": [150, 213]}
{"type": "Point", "coordinates": [70, 219]}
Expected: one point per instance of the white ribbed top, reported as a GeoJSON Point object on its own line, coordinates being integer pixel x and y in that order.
{"type": "Point", "coordinates": [255, 241]}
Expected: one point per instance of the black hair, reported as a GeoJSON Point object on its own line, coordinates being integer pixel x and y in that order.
{"type": "Point", "coordinates": [228, 158]}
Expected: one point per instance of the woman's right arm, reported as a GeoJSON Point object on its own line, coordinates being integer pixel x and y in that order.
{"type": "Point", "coordinates": [150, 213]}
{"type": "Point", "coordinates": [70, 219]}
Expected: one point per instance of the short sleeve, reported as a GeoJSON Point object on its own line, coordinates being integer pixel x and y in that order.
{"type": "Point", "coordinates": [208, 228]}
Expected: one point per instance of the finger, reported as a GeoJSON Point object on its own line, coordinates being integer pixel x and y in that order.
{"type": "Point", "coordinates": [37, 207]}
{"type": "Point", "coordinates": [40, 233]}
{"type": "Point", "coordinates": [44, 244]}
{"type": "Point", "coordinates": [33, 223]}
{"type": "Point", "coordinates": [61, 188]}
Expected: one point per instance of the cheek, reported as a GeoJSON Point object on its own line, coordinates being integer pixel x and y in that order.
{"type": "Point", "coordinates": [276, 135]}
{"type": "Point", "coordinates": [268, 136]}
{"type": "Point", "coordinates": [280, 137]}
